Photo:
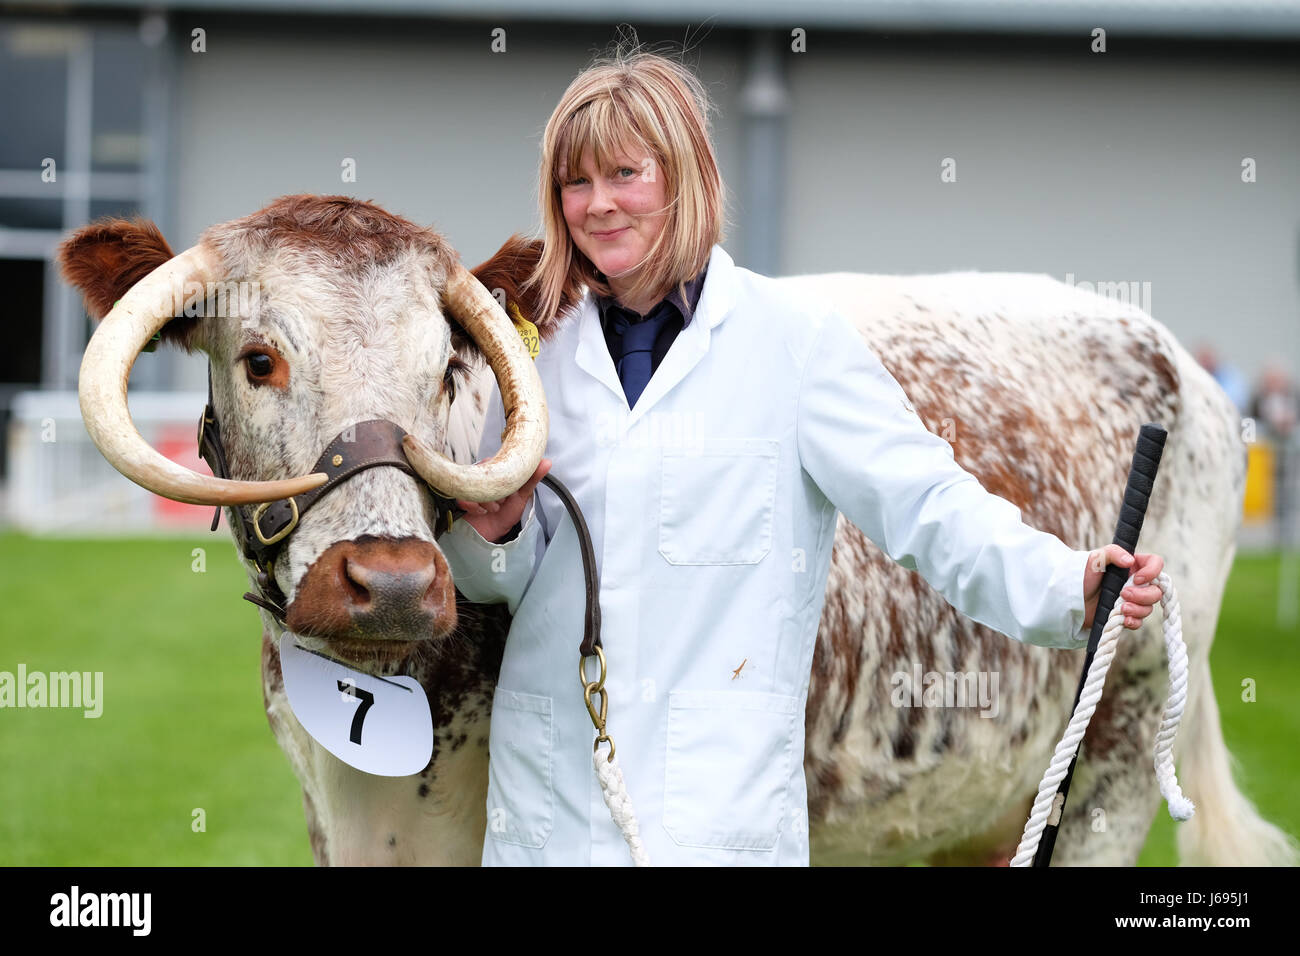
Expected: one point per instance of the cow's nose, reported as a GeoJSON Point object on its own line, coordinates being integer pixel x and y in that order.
{"type": "Point", "coordinates": [371, 588]}
{"type": "Point", "coordinates": [382, 587]}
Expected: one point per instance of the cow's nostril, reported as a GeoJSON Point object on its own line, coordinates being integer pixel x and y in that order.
{"type": "Point", "coordinates": [355, 583]}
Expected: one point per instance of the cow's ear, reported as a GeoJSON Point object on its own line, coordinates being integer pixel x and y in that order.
{"type": "Point", "coordinates": [513, 263]}
{"type": "Point", "coordinates": [104, 259]}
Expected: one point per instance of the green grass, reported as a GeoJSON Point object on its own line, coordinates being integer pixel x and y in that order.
{"type": "Point", "coordinates": [183, 725]}
{"type": "Point", "coordinates": [1261, 735]}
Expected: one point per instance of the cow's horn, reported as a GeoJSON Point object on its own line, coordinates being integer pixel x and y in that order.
{"type": "Point", "coordinates": [130, 324]}
{"type": "Point", "coordinates": [524, 438]}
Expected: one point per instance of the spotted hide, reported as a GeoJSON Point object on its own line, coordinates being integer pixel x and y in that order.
{"type": "Point", "coordinates": [1039, 387]}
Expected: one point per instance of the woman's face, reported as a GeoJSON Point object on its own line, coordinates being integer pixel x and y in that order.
{"type": "Point", "coordinates": [614, 215]}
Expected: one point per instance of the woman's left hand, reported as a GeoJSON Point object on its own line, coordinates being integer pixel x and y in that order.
{"type": "Point", "coordinates": [1140, 595]}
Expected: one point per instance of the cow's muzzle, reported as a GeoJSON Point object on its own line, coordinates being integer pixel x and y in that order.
{"type": "Point", "coordinates": [373, 589]}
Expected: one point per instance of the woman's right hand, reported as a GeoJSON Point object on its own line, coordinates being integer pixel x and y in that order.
{"type": "Point", "coordinates": [492, 519]}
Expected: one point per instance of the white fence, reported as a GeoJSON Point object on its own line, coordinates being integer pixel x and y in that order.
{"type": "Point", "coordinates": [60, 484]}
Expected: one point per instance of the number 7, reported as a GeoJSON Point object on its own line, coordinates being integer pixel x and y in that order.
{"type": "Point", "coordinates": [367, 701]}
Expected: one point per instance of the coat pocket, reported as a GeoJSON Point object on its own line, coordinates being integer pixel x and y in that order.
{"type": "Point", "coordinates": [521, 796]}
{"type": "Point", "coordinates": [727, 768]}
{"type": "Point", "coordinates": [716, 500]}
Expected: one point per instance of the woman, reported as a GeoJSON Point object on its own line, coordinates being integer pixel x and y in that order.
{"type": "Point", "coordinates": [710, 427]}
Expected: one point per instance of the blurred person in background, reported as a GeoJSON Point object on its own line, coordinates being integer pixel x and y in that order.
{"type": "Point", "coordinates": [1275, 407]}
{"type": "Point", "coordinates": [1229, 379]}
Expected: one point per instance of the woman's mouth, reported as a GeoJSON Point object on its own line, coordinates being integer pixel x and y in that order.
{"type": "Point", "coordinates": [608, 235]}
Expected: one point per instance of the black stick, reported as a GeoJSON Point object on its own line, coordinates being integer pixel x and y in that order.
{"type": "Point", "coordinates": [1141, 479]}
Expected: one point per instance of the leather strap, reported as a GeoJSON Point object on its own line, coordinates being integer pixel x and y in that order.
{"type": "Point", "coordinates": [591, 615]}
{"type": "Point", "coordinates": [357, 448]}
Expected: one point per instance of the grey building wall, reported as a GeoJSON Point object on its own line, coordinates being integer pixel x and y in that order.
{"type": "Point", "coordinates": [1113, 167]}
{"type": "Point", "coordinates": [1122, 166]}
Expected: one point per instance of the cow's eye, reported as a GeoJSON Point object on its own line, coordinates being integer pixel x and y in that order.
{"type": "Point", "coordinates": [263, 365]}
{"type": "Point", "coordinates": [260, 365]}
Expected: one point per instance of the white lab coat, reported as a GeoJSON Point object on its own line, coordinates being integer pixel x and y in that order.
{"type": "Point", "coordinates": [712, 508]}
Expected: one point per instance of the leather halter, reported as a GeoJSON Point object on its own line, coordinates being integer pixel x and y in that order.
{"type": "Point", "coordinates": [262, 530]}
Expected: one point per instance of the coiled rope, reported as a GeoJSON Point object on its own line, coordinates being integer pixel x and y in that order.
{"type": "Point", "coordinates": [1047, 807]}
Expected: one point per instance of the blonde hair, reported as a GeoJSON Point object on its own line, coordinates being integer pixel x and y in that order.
{"type": "Point", "coordinates": [632, 97]}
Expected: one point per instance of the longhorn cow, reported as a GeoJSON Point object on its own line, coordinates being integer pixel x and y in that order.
{"type": "Point", "coordinates": [358, 314]}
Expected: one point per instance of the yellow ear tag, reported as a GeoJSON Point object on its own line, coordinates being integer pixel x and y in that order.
{"type": "Point", "coordinates": [527, 331]}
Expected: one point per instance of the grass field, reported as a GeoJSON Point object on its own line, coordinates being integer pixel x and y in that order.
{"type": "Point", "coordinates": [183, 728]}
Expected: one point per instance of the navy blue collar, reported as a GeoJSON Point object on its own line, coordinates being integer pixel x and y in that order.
{"type": "Point", "coordinates": [685, 307]}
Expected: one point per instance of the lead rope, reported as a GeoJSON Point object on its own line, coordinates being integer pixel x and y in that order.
{"type": "Point", "coordinates": [612, 786]}
{"type": "Point", "coordinates": [614, 791]}
{"type": "Point", "coordinates": [1180, 807]}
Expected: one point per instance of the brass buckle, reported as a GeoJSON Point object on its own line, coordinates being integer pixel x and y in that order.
{"type": "Point", "coordinates": [283, 532]}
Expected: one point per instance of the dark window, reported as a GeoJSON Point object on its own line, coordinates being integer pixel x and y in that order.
{"type": "Point", "coordinates": [19, 213]}
{"type": "Point", "coordinates": [33, 109]}
{"type": "Point", "coordinates": [24, 283]}
{"type": "Point", "coordinates": [20, 360]}
{"type": "Point", "coordinates": [117, 143]}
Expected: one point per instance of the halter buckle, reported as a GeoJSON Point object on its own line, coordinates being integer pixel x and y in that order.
{"type": "Point", "coordinates": [283, 532]}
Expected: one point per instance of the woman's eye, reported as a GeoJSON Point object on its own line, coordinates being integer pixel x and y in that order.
{"type": "Point", "coordinates": [627, 169]}
{"type": "Point", "coordinates": [260, 364]}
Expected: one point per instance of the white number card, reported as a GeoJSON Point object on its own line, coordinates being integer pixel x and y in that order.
{"type": "Point", "coordinates": [380, 725]}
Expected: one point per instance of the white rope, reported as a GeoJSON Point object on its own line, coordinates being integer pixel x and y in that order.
{"type": "Point", "coordinates": [1047, 806]}
{"type": "Point", "coordinates": [1180, 807]}
{"type": "Point", "coordinates": [614, 791]}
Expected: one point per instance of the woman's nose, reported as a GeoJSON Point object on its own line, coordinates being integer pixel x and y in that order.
{"type": "Point", "coordinates": [602, 199]}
